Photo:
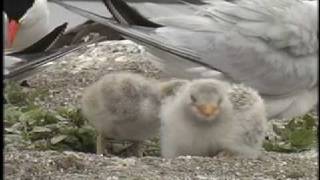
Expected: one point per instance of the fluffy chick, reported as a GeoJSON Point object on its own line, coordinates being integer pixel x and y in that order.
{"type": "Point", "coordinates": [122, 106]}
{"type": "Point", "coordinates": [125, 106]}
{"type": "Point", "coordinates": [208, 117]}
{"type": "Point", "coordinates": [196, 120]}
{"type": "Point", "coordinates": [250, 121]}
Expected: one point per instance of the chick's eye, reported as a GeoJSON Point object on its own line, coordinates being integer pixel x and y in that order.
{"type": "Point", "coordinates": [193, 99]}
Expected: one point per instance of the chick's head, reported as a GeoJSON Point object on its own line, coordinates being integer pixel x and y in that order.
{"type": "Point", "coordinates": [206, 100]}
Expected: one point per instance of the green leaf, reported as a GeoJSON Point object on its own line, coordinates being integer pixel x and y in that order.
{"type": "Point", "coordinates": [14, 94]}
{"type": "Point", "coordinates": [39, 129]}
{"type": "Point", "coordinates": [302, 138]}
{"type": "Point", "coordinates": [292, 124]}
{"type": "Point", "coordinates": [57, 139]}
{"type": "Point", "coordinates": [50, 118]}
{"type": "Point", "coordinates": [310, 122]}
{"type": "Point", "coordinates": [14, 129]}
{"type": "Point", "coordinates": [11, 115]}
{"type": "Point", "coordinates": [298, 135]}
{"type": "Point", "coordinates": [32, 117]}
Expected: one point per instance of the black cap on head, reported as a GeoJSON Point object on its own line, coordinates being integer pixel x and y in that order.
{"type": "Point", "coordinates": [15, 9]}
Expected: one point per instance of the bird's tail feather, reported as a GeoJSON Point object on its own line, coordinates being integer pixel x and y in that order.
{"type": "Point", "coordinates": [124, 14]}
{"type": "Point", "coordinates": [33, 63]}
{"type": "Point", "coordinates": [143, 36]}
{"type": "Point", "coordinates": [139, 12]}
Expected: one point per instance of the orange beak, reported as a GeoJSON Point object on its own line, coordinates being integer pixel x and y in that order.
{"type": "Point", "coordinates": [12, 31]}
{"type": "Point", "coordinates": [208, 110]}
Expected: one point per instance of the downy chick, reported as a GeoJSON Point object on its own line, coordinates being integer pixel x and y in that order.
{"type": "Point", "coordinates": [251, 121]}
{"type": "Point", "coordinates": [205, 119]}
{"type": "Point", "coordinates": [197, 120]}
{"type": "Point", "coordinates": [125, 106]}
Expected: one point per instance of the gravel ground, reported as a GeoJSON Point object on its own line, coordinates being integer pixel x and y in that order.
{"type": "Point", "coordinates": [71, 165]}
{"type": "Point", "coordinates": [75, 71]}
{"type": "Point", "coordinates": [66, 79]}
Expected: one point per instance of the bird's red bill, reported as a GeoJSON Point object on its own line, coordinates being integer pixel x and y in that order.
{"type": "Point", "coordinates": [12, 31]}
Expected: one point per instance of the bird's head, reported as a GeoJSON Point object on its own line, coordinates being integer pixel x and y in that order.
{"type": "Point", "coordinates": [22, 13]}
{"type": "Point", "coordinates": [206, 99]}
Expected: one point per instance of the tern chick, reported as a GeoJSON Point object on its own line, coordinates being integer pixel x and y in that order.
{"type": "Point", "coordinates": [125, 106]}
{"type": "Point", "coordinates": [209, 117]}
{"type": "Point", "coordinates": [251, 120]}
{"type": "Point", "coordinates": [195, 121]}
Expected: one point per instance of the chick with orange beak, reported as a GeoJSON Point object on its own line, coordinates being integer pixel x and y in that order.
{"type": "Point", "coordinates": [26, 22]}
{"type": "Point", "coordinates": [197, 120]}
{"type": "Point", "coordinates": [207, 99]}
{"type": "Point", "coordinates": [210, 118]}
{"type": "Point", "coordinates": [205, 102]}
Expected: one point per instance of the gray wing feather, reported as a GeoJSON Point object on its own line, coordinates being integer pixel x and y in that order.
{"type": "Point", "coordinates": [247, 60]}
{"type": "Point", "coordinates": [250, 57]}
{"type": "Point", "coordinates": [276, 22]}
{"type": "Point", "coordinates": [269, 47]}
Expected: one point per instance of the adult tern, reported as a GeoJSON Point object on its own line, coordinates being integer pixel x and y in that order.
{"type": "Point", "coordinates": [269, 45]}
{"type": "Point", "coordinates": [27, 21]}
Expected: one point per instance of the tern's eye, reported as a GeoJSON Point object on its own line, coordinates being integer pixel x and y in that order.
{"type": "Point", "coordinates": [193, 99]}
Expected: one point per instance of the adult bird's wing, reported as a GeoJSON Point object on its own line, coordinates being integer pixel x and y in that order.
{"type": "Point", "coordinates": [176, 13]}
{"type": "Point", "coordinates": [164, 8]}
{"type": "Point", "coordinates": [262, 43]}
{"type": "Point", "coordinates": [251, 51]}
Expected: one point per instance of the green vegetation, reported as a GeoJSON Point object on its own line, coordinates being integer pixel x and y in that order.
{"type": "Point", "coordinates": [30, 126]}
{"type": "Point", "coordinates": [298, 135]}
{"type": "Point", "coordinates": [37, 128]}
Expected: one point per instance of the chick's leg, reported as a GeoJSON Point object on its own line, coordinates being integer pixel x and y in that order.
{"type": "Point", "coordinates": [225, 154]}
{"type": "Point", "coordinates": [101, 145]}
{"type": "Point", "coordinates": [136, 149]}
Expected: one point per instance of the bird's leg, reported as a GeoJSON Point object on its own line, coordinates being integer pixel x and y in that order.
{"type": "Point", "coordinates": [136, 149]}
{"type": "Point", "coordinates": [101, 146]}
{"type": "Point", "coordinates": [225, 154]}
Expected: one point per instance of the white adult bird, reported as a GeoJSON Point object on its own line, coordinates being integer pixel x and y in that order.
{"type": "Point", "coordinates": [27, 21]}
{"type": "Point", "coordinates": [269, 45]}
{"type": "Point", "coordinates": [208, 117]}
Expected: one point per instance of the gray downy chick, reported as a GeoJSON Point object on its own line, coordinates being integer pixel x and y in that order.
{"type": "Point", "coordinates": [197, 120]}
{"type": "Point", "coordinates": [125, 106]}
{"type": "Point", "coordinates": [250, 121]}
{"type": "Point", "coordinates": [122, 106]}
{"type": "Point", "coordinates": [209, 117]}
